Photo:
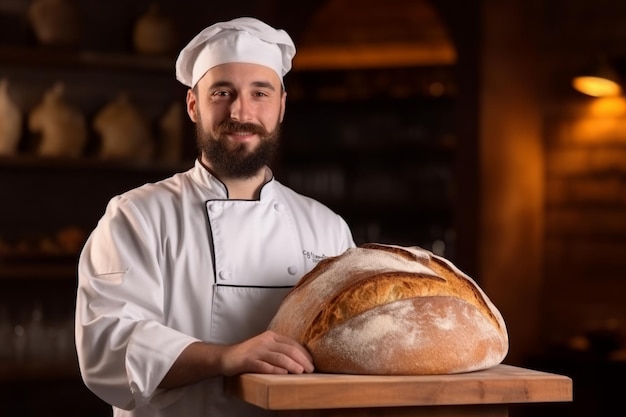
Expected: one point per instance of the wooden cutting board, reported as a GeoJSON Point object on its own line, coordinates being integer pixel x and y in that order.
{"type": "Point", "coordinates": [503, 384]}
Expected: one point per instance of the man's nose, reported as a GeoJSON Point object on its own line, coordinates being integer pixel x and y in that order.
{"type": "Point", "coordinates": [240, 109]}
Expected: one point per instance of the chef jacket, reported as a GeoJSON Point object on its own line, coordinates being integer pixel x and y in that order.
{"type": "Point", "coordinates": [175, 262]}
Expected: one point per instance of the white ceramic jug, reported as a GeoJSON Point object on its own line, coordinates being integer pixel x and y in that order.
{"type": "Point", "coordinates": [154, 32]}
{"type": "Point", "coordinates": [62, 127]}
{"type": "Point", "coordinates": [124, 131]}
{"type": "Point", "coordinates": [55, 22]}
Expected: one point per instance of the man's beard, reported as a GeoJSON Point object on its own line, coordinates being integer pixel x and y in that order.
{"type": "Point", "coordinates": [230, 160]}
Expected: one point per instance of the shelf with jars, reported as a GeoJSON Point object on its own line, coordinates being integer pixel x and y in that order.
{"type": "Point", "coordinates": [91, 115]}
{"type": "Point", "coordinates": [38, 342]}
{"type": "Point", "coordinates": [39, 372]}
{"type": "Point", "coordinates": [67, 89]}
{"type": "Point", "coordinates": [84, 115]}
{"type": "Point", "coordinates": [81, 121]}
{"type": "Point", "coordinates": [36, 324]}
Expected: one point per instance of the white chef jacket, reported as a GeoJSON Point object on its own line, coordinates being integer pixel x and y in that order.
{"type": "Point", "coordinates": [175, 262]}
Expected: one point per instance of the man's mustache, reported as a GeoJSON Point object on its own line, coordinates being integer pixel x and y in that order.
{"type": "Point", "coordinates": [231, 126]}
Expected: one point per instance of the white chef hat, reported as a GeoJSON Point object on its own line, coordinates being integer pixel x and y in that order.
{"type": "Point", "coordinates": [244, 39]}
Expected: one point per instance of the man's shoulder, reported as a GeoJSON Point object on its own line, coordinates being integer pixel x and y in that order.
{"type": "Point", "coordinates": [157, 187]}
{"type": "Point", "coordinates": [157, 192]}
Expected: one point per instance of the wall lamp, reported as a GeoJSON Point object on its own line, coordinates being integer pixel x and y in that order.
{"type": "Point", "coordinates": [599, 80]}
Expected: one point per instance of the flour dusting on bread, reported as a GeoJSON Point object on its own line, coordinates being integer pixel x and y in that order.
{"type": "Point", "coordinates": [385, 309]}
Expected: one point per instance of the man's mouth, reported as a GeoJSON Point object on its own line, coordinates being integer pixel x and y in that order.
{"type": "Point", "coordinates": [241, 130]}
{"type": "Point", "coordinates": [241, 135]}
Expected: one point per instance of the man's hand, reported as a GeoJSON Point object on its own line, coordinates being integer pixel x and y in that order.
{"type": "Point", "coordinates": [267, 353]}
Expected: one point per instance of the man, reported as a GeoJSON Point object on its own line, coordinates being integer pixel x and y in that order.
{"type": "Point", "coordinates": [180, 278]}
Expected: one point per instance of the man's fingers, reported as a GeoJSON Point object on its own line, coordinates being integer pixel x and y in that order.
{"type": "Point", "coordinates": [293, 346]}
{"type": "Point", "coordinates": [287, 362]}
{"type": "Point", "coordinates": [291, 353]}
{"type": "Point", "coordinates": [264, 367]}
{"type": "Point", "coordinates": [267, 353]}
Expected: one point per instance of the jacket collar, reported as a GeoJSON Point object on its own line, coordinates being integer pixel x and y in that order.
{"type": "Point", "coordinates": [206, 179]}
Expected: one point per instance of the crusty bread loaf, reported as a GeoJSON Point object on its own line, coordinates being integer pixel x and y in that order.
{"type": "Point", "coordinates": [392, 310]}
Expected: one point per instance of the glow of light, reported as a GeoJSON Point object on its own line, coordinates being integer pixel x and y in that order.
{"type": "Point", "coordinates": [597, 86]}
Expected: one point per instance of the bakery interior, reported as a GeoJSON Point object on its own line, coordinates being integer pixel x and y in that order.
{"type": "Point", "coordinates": [450, 125]}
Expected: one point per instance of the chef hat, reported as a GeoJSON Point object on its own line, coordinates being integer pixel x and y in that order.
{"type": "Point", "coordinates": [244, 39]}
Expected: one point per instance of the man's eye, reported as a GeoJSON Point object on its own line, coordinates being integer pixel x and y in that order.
{"type": "Point", "coordinates": [221, 94]}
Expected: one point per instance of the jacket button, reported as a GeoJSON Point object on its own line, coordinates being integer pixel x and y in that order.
{"type": "Point", "coordinates": [224, 275]}
{"type": "Point", "coordinates": [279, 207]}
{"type": "Point", "coordinates": [215, 209]}
{"type": "Point", "coordinates": [292, 270]}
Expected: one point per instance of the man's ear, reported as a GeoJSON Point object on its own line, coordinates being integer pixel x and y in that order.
{"type": "Point", "coordinates": [283, 102]}
{"type": "Point", "coordinates": [192, 102]}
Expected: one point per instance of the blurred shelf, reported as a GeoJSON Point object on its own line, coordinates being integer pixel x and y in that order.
{"type": "Point", "coordinates": [374, 55]}
{"type": "Point", "coordinates": [38, 370]}
{"type": "Point", "coordinates": [346, 152]}
{"type": "Point", "coordinates": [58, 57]}
{"type": "Point", "coordinates": [38, 270]}
{"type": "Point", "coordinates": [93, 164]}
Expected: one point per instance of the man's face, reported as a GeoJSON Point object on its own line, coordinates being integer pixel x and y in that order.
{"type": "Point", "coordinates": [237, 109]}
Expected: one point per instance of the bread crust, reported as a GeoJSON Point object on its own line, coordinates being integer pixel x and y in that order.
{"type": "Point", "coordinates": [391, 310]}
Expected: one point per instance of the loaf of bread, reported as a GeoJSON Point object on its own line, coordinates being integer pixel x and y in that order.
{"type": "Point", "coordinates": [392, 310]}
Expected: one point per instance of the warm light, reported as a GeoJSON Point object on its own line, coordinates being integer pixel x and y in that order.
{"type": "Point", "coordinates": [596, 86]}
{"type": "Point", "coordinates": [600, 80]}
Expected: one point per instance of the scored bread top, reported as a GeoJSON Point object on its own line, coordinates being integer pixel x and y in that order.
{"type": "Point", "coordinates": [342, 287]}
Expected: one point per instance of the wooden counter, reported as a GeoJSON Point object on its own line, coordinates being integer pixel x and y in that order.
{"type": "Point", "coordinates": [483, 393]}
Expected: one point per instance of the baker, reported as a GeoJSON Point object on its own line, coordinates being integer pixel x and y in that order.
{"type": "Point", "coordinates": [180, 278]}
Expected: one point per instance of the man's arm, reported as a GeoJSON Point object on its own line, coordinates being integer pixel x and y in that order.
{"type": "Point", "coordinates": [267, 353]}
